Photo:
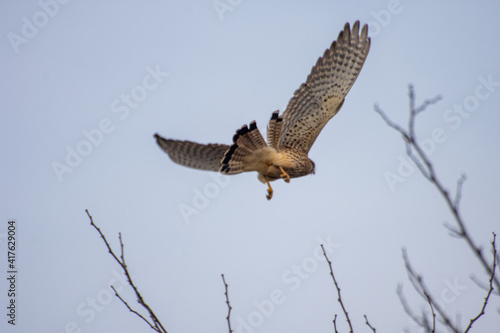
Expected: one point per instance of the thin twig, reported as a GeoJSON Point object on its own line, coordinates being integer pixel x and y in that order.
{"type": "Point", "coordinates": [335, 323]}
{"type": "Point", "coordinates": [479, 283]}
{"type": "Point", "coordinates": [369, 325]}
{"type": "Point", "coordinates": [493, 244]}
{"type": "Point", "coordinates": [156, 325]}
{"type": "Point", "coordinates": [229, 308]}
{"type": "Point", "coordinates": [458, 192]}
{"type": "Point", "coordinates": [421, 288]}
{"type": "Point", "coordinates": [453, 230]}
{"type": "Point", "coordinates": [433, 330]}
{"type": "Point", "coordinates": [407, 308]}
{"type": "Point", "coordinates": [130, 309]}
{"type": "Point", "coordinates": [338, 291]}
{"type": "Point", "coordinates": [389, 122]}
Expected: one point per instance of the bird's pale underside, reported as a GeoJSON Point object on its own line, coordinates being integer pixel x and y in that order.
{"type": "Point", "coordinates": [291, 134]}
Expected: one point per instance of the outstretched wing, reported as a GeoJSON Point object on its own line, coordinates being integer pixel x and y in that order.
{"type": "Point", "coordinates": [322, 95]}
{"type": "Point", "coordinates": [192, 154]}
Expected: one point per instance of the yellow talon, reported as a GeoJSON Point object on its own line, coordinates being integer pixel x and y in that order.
{"type": "Point", "coordinates": [269, 191]}
{"type": "Point", "coordinates": [284, 175]}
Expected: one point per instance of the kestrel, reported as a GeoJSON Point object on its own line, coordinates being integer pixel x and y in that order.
{"type": "Point", "coordinates": [291, 134]}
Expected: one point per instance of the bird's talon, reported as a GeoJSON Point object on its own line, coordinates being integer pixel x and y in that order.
{"type": "Point", "coordinates": [284, 175]}
{"type": "Point", "coordinates": [269, 194]}
{"type": "Point", "coordinates": [269, 190]}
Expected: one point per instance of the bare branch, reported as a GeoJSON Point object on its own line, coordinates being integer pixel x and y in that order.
{"type": "Point", "coordinates": [416, 160]}
{"type": "Point", "coordinates": [156, 325]}
{"type": "Point", "coordinates": [338, 292]}
{"type": "Point", "coordinates": [103, 238]}
{"type": "Point", "coordinates": [454, 232]}
{"type": "Point", "coordinates": [229, 308]}
{"type": "Point", "coordinates": [479, 283]}
{"type": "Point", "coordinates": [433, 330]}
{"type": "Point", "coordinates": [424, 105]}
{"type": "Point", "coordinates": [391, 123]}
{"type": "Point", "coordinates": [422, 290]}
{"type": "Point", "coordinates": [369, 325]}
{"type": "Point", "coordinates": [335, 323]}
{"type": "Point", "coordinates": [458, 192]}
{"type": "Point", "coordinates": [130, 309]}
{"type": "Point", "coordinates": [493, 245]}
{"type": "Point", "coordinates": [426, 168]}
{"type": "Point", "coordinates": [407, 308]}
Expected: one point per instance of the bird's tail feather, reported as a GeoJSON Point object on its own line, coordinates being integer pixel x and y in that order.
{"type": "Point", "coordinates": [274, 129]}
{"type": "Point", "coordinates": [246, 140]}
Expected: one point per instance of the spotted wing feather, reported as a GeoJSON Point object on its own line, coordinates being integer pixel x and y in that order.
{"type": "Point", "coordinates": [192, 154]}
{"type": "Point", "coordinates": [322, 95]}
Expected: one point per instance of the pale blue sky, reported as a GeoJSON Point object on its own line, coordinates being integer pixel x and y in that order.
{"type": "Point", "coordinates": [191, 73]}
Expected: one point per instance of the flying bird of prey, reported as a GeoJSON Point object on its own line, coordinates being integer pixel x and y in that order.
{"type": "Point", "coordinates": [291, 134]}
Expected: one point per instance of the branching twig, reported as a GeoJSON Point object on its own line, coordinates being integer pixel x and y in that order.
{"type": "Point", "coordinates": [369, 325]}
{"type": "Point", "coordinates": [493, 244]}
{"type": "Point", "coordinates": [422, 322]}
{"type": "Point", "coordinates": [421, 288]}
{"type": "Point", "coordinates": [335, 323]}
{"type": "Point", "coordinates": [426, 168]}
{"type": "Point", "coordinates": [156, 325]}
{"type": "Point", "coordinates": [458, 192]}
{"type": "Point", "coordinates": [479, 283]}
{"type": "Point", "coordinates": [433, 330]}
{"type": "Point", "coordinates": [454, 232]}
{"type": "Point", "coordinates": [338, 292]}
{"type": "Point", "coordinates": [130, 309]}
{"type": "Point", "coordinates": [229, 308]}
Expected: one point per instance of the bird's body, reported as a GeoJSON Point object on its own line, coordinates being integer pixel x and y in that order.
{"type": "Point", "coordinates": [267, 162]}
{"type": "Point", "coordinates": [290, 135]}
